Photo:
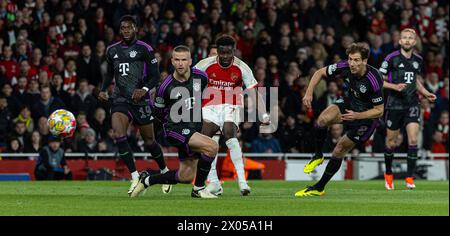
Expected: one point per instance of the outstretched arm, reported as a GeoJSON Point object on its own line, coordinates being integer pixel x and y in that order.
{"type": "Point", "coordinates": [318, 75]}
{"type": "Point", "coordinates": [422, 90]}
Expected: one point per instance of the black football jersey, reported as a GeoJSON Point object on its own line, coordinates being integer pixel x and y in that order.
{"type": "Point", "coordinates": [360, 93]}
{"type": "Point", "coordinates": [400, 69]}
{"type": "Point", "coordinates": [181, 102]}
{"type": "Point", "coordinates": [132, 66]}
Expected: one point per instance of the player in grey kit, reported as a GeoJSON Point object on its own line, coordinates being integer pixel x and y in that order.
{"type": "Point", "coordinates": [133, 65]}
{"type": "Point", "coordinates": [402, 68]}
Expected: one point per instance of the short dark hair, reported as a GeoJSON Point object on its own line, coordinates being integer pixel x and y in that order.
{"type": "Point", "coordinates": [181, 48]}
{"type": "Point", "coordinates": [362, 48]}
{"type": "Point", "coordinates": [128, 18]}
{"type": "Point", "coordinates": [225, 40]}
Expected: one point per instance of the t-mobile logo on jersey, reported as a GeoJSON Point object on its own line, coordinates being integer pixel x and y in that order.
{"type": "Point", "coordinates": [124, 68]}
{"type": "Point", "coordinates": [409, 76]}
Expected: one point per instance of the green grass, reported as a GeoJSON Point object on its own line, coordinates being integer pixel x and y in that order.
{"type": "Point", "coordinates": [267, 198]}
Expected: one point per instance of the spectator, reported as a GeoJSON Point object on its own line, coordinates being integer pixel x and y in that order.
{"type": "Point", "coordinates": [14, 146]}
{"type": "Point", "coordinates": [46, 104]}
{"type": "Point", "coordinates": [21, 94]}
{"type": "Point", "coordinates": [5, 120]}
{"type": "Point", "coordinates": [25, 117]}
{"type": "Point", "coordinates": [51, 164]}
{"type": "Point", "coordinates": [100, 124]}
{"type": "Point", "coordinates": [336, 132]}
{"type": "Point", "coordinates": [83, 101]}
{"type": "Point", "coordinates": [70, 77]}
{"type": "Point", "coordinates": [88, 67]}
{"type": "Point", "coordinates": [266, 143]}
{"type": "Point", "coordinates": [89, 143]}
{"type": "Point", "coordinates": [35, 143]}
{"type": "Point", "coordinates": [20, 132]}
{"type": "Point", "coordinates": [8, 65]}
{"type": "Point", "coordinates": [57, 90]}
{"type": "Point", "coordinates": [290, 136]}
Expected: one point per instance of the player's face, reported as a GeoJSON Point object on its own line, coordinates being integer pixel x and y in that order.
{"type": "Point", "coordinates": [357, 64]}
{"type": "Point", "coordinates": [226, 55]}
{"type": "Point", "coordinates": [407, 41]}
{"type": "Point", "coordinates": [127, 30]}
{"type": "Point", "coordinates": [181, 61]}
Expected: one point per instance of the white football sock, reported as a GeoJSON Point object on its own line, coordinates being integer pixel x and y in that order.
{"type": "Point", "coordinates": [135, 175]}
{"type": "Point", "coordinates": [212, 176]}
{"type": "Point", "coordinates": [236, 157]}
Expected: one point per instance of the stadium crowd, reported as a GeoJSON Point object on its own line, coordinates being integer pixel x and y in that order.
{"type": "Point", "coordinates": [52, 55]}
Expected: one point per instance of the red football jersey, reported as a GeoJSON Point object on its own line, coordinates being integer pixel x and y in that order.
{"type": "Point", "coordinates": [228, 81]}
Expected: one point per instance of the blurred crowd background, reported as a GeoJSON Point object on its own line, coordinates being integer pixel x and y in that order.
{"type": "Point", "coordinates": [52, 55]}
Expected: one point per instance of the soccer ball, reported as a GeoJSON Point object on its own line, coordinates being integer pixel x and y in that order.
{"type": "Point", "coordinates": [62, 123]}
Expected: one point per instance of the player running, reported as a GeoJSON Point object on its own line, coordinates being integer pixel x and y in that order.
{"type": "Point", "coordinates": [401, 70]}
{"type": "Point", "coordinates": [226, 73]}
{"type": "Point", "coordinates": [133, 65]}
{"type": "Point", "coordinates": [178, 102]}
{"type": "Point", "coordinates": [359, 110]}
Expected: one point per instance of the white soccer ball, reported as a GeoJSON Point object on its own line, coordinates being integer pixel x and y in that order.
{"type": "Point", "coordinates": [62, 123]}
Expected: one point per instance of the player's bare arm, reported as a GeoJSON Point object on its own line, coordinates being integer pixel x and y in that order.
{"type": "Point", "coordinates": [318, 75]}
{"type": "Point", "coordinates": [396, 87]}
{"type": "Point", "coordinates": [422, 90]}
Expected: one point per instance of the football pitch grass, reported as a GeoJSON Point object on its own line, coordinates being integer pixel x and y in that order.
{"type": "Point", "coordinates": [268, 198]}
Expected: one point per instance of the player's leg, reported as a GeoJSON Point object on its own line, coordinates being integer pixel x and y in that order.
{"type": "Point", "coordinates": [393, 120]}
{"type": "Point", "coordinates": [412, 130]}
{"type": "Point", "coordinates": [207, 148]}
{"type": "Point", "coordinates": [184, 174]}
{"type": "Point", "coordinates": [214, 185]}
{"type": "Point", "coordinates": [331, 115]}
{"type": "Point", "coordinates": [391, 144]}
{"type": "Point", "coordinates": [230, 132]}
{"type": "Point", "coordinates": [148, 135]}
{"type": "Point", "coordinates": [119, 122]}
{"type": "Point", "coordinates": [344, 146]}
{"type": "Point", "coordinates": [209, 128]}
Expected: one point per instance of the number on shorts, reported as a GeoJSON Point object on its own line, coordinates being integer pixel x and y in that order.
{"type": "Point", "coordinates": [413, 111]}
{"type": "Point", "coordinates": [145, 113]}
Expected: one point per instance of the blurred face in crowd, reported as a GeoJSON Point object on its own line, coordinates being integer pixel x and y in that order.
{"type": "Point", "coordinates": [100, 114]}
{"type": "Point", "coordinates": [86, 51]}
{"type": "Point", "coordinates": [332, 88]}
{"type": "Point", "coordinates": [22, 83]}
{"type": "Point", "coordinates": [84, 87]}
{"type": "Point", "coordinates": [54, 145]}
{"type": "Point", "coordinates": [336, 130]}
{"type": "Point", "coordinates": [181, 61]}
{"type": "Point", "coordinates": [3, 103]}
{"type": "Point", "coordinates": [7, 90]}
{"type": "Point", "coordinates": [225, 55]}
{"type": "Point", "coordinates": [444, 118]}
{"type": "Point", "coordinates": [14, 144]}
{"type": "Point", "coordinates": [43, 126]}
{"type": "Point", "coordinates": [100, 47]}
{"type": "Point", "coordinates": [57, 80]}
{"type": "Point", "coordinates": [357, 64]}
{"type": "Point", "coordinates": [128, 31]}
{"type": "Point", "coordinates": [407, 40]}
{"type": "Point", "coordinates": [35, 137]}
{"type": "Point", "coordinates": [212, 52]}
{"type": "Point", "coordinates": [20, 128]}
{"type": "Point", "coordinates": [45, 94]}
{"type": "Point", "coordinates": [25, 112]}
{"type": "Point", "coordinates": [34, 86]}
{"type": "Point", "coordinates": [7, 52]}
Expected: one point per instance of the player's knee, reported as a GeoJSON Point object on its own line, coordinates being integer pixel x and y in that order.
{"type": "Point", "coordinates": [339, 151]}
{"type": "Point", "coordinates": [149, 142]}
{"type": "Point", "coordinates": [390, 143]}
{"type": "Point", "coordinates": [322, 121]}
{"type": "Point", "coordinates": [412, 141]}
{"type": "Point", "coordinates": [211, 149]}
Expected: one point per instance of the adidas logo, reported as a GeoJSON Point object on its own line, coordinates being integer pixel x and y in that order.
{"type": "Point", "coordinates": [115, 56]}
{"type": "Point", "coordinates": [401, 66]}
